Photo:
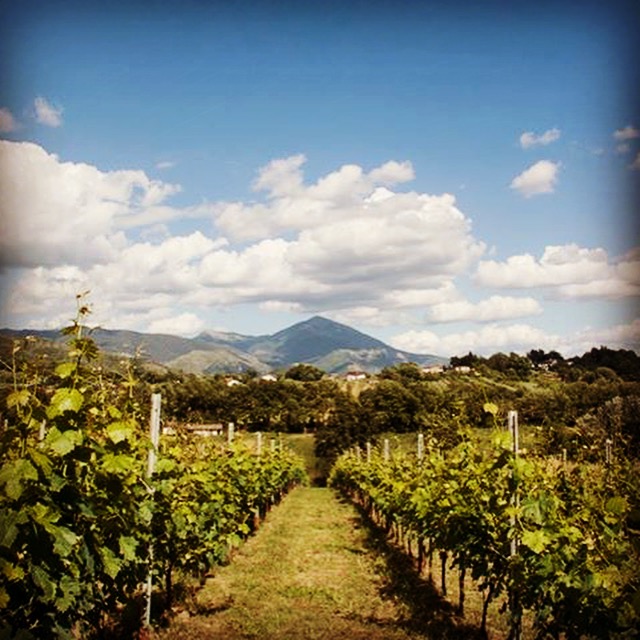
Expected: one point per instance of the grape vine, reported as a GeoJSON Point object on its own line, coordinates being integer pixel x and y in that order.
{"type": "Point", "coordinates": [78, 514]}
{"type": "Point", "coordinates": [577, 565]}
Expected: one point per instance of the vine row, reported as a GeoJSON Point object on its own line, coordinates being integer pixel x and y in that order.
{"type": "Point", "coordinates": [567, 551]}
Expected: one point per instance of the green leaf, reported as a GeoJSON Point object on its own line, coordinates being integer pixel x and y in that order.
{"type": "Point", "coordinates": [118, 464]}
{"type": "Point", "coordinates": [18, 398]}
{"type": "Point", "coordinates": [537, 540]}
{"type": "Point", "coordinates": [114, 412]}
{"type": "Point", "coordinates": [11, 571]}
{"type": "Point", "coordinates": [64, 399]}
{"type": "Point", "coordinates": [64, 541]}
{"type": "Point", "coordinates": [65, 369]}
{"type": "Point", "coordinates": [119, 431]}
{"type": "Point", "coordinates": [490, 407]}
{"type": "Point", "coordinates": [42, 580]}
{"type": "Point", "coordinates": [110, 562]}
{"type": "Point", "coordinates": [128, 547]}
{"type": "Point", "coordinates": [43, 515]}
{"type": "Point", "coordinates": [62, 442]}
{"type": "Point", "coordinates": [14, 474]}
{"type": "Point", "coordinates": [9, 520]}
{"type": "Point", "coordinates": [71, 589]}
{"type": "Point", "coordinates": [40, 460]}
{"type": "Point", "coordinates": [165, 465]}
{"type": "Point", "coordinates": [616, 505]}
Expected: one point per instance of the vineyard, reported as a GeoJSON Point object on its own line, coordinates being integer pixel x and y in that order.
{"type": "Point", "coordinates": [554, 541]}
{"type": "Point", "coordinates": [83, 524]}
{"type": "Point", "coordinates": [104, 523]}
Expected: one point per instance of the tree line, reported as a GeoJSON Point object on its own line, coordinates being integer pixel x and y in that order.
{"type": "Point", "coordinates": [577, 403]}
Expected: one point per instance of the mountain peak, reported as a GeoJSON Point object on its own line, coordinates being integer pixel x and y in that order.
{"type": "Point", "coordinates": [318, 336]}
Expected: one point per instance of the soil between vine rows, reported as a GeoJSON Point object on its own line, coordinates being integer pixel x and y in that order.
{"type": "Point", "coordinates": [316, 571]}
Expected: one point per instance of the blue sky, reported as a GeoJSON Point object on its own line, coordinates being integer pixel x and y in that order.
{"type": "Point", "coordinates": [444, 178]}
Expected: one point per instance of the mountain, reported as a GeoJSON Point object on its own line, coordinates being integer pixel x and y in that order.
{"type": "Point", "coordinates": [329, 345]}
{"type": "Point", "coordinates": [310, 340]}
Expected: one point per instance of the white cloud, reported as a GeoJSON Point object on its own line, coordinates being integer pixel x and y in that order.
{"type": "Point", "coordinates": [519, 338]}
{"type": "Point", "coordinates": [346, 193]}
{"type": "Point", "coordinates": [165, 164]}
{"type": "Point", "coordinates": [627, 133]}
{"type": "Point", "coordinates": [7, 122]}
{"type": "Point", "coordinates": [47, 113]}
{"type": "Point", "coordinates": [185, 324]}
{"type": "Point", "coordinates": [569, 271]}
{"type": "Point", "coordinates": [539, 178]}
{"type": "Point", "coordinates": [530, 139]}
{"type": "Point", "coordinates": [485, 341]}
{"type": "Point", "coordinates": [621, 336]}
{"type": "Point", "coordinates": [490, 310]}
{"type": "Point", "coordinates": [54, 212]}
{"type": "Point", "coordinates": [344, 242]}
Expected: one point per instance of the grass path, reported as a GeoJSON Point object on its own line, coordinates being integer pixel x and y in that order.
{"type": "Point", "coordinates": [314, 571]}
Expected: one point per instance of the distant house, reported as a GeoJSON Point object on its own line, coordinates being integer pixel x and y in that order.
{"type": "Point", "coordinates": [214, 429]}
{"type": "Point", "coordinates": [233, 382]}
{"type": "Point", "coordinates": [269, 377]}
{"type": "Point", "coordinates": [356, 375]}
{"type": "Point", "coordinates": [462, 369]}
{"type": "Point", "coordinates": [433, 368]}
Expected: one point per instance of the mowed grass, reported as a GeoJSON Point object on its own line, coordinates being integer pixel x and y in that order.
{"type": "Point", "coordinates": [314, 571]}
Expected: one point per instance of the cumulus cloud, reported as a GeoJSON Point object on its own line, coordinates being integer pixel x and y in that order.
{"type": "Point", "coordinates": [569, 271]}
{"type": "Point", "coordinates": [518, 338]}
{"type": "Point", "coordinates": [184, 324]}
{"type": "Point", "coordinates": [7, 122]}
{"type": "Point", "coordinates": [539, 178]}
{"type": "Point", "coordinates": [347, 193]}
{"type": "Point", "coordinates": [485, 341]}
{"type": "Point", "coordinates": [620, 336]}
{"type": "Point", "coordinates": [489, 310]}
{"type": "Point", "coordinates": [346, 241]}
{"type": "Point", "coordinates": [626, 133]}
{"type": "Point", "coordinates": [54, 212]}
{"type": "Point", "coordinates": [47, 113]}
{"type": "Point", "coordinates": [530, 139]}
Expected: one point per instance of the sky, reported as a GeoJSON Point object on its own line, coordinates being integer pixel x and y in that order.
{"type": "Point", "coordinates": [446, 177]}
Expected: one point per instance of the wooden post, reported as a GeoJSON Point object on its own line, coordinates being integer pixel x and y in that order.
{"type": "Point", "coordinates": [368, 452]}
{"type": "Point", "coordinates": [259, 443]}
{"type": "Point", "coordinates": [386, 450]}
{"type": "Point", "coordinates": [273, 445]}
{"type": "Point", "coordinates": [154, 432]}
{"type": "Point", "coordinates": [420, 446]}
{"type": "Point", "coordinates": [230, 432]}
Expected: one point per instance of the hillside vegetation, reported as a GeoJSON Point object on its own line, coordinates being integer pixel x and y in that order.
{"type": "Point", "coordinates": [574, 404]}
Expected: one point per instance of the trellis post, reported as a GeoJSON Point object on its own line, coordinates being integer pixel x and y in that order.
{"type": "Point", "coordinates": [516, 610]}
{"type": "Point", "coordinates": [154, 432]}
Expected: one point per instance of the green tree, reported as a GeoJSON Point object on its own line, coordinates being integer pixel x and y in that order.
{"type": "Point", "coordinates": [304, 373]}
{"type": "Point", "coordinates": [389, 406]}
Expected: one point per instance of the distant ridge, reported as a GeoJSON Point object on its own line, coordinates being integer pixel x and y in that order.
{"type": "Point", "coordinates": [329, 345]}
